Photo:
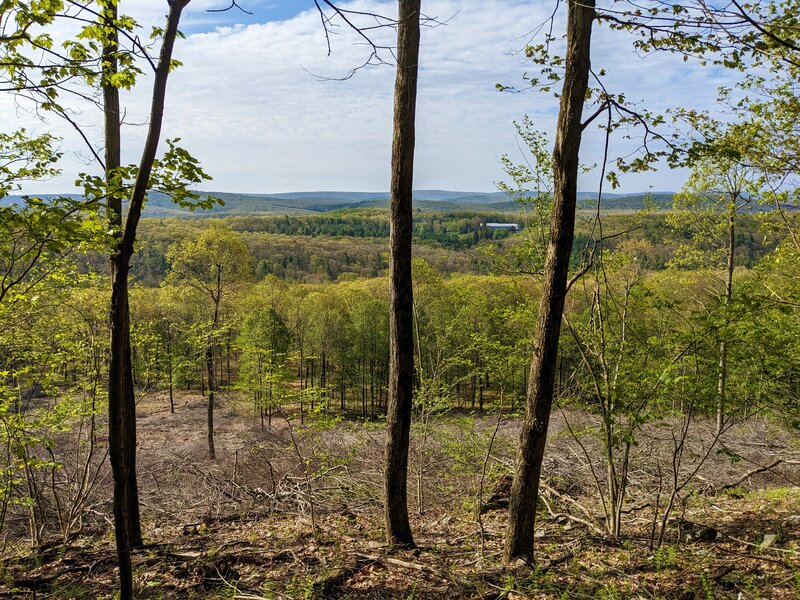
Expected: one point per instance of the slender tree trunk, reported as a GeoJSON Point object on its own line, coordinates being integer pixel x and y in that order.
{"type": "Point", "coordinates": [300, 372]}
{"type": "Point", "coordinates": [111, 114]}
{"type": "Point", "coordinates": [122, 407]}
{"type": "Point", "coordinates": [171, 377]}
{"type": "Point", "coordinates": [134, 367]}
{"type": "Point", "coordinates": [228, 357]}
{"type": "Point", "coordinates": [342, 390]}
{"type": "Point", "coordinates": [121, 399]}
{"type": "Point", "coordinates": [212, 383]}
{"type": "Point", "coordinates": [212, 454]}
{"type": "Point", "coordinates": [474, 388]}
{"type": "Point", "coordinates": [401, 325]}
{"type": "Point", "coordinates": [525, 489]}
{"type": "Point", "coordinates": [722, 376]}
{"type": "Point", "coordinates": [363, 389]}
{"type": "Point", "coordinates": [372, 390]}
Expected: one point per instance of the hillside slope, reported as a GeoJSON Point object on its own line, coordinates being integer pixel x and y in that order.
{"type": "Point", "coordinates": [306, 203]}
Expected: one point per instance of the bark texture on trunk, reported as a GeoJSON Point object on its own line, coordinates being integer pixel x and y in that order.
{"type": "Point", "coordinates": [122, 427]}
{"type": "Point", "coordinates": [121, 410]}
{"type": "Point", "coordinates": [525, 489]}
{"type": "Point", "coordinates": [111, 116]}
{"type": "Point", "coordinates": [121, 381]}
{"type": "Point", "coordinates": [401, 326]}
{"type": "Point", "coordinates": [121, 397]}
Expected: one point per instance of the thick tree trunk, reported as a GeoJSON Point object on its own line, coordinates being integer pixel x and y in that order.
{"type": "Point", "coordinates": [401, 326]}
{"type": "Point", "coordinates": [122, 427]}
{"type": "Point", "coordinates": [524, 491]}
{"type": "Point", "coordinates": [121, 399]}
{"type": "Point", "coordinates": [121, 409]}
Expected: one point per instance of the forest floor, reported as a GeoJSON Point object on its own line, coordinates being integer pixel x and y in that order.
{"type": "Point", "coordinates": [295, 512]}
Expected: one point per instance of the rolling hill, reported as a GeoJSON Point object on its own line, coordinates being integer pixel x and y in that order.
{"type": "Point", "coordinates": [304, 203]}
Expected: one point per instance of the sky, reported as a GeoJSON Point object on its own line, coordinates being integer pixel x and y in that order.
{"type": "Point", "coordinates": [261, 103]}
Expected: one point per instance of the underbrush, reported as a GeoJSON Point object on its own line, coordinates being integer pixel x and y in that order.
{"type": "Point", "coordinates": [294, 511]}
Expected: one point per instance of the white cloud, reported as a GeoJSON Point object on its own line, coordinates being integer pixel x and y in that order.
{"type": "Point", "coordinates": [247, 106]}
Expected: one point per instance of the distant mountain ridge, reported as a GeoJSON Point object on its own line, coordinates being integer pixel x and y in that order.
{"type": "Point", "coordinates": [306, 203]}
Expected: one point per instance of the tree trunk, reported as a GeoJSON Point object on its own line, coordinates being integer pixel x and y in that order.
{"type": "Point", "coordinates": [228, 357]}
{"type": "Point", "coordinates": [212, 382]}
{"type": "Point", "coordinates": [372, 390]}
{"type": "Point", "coordinates": [122, 403]}
{"type": "Point", "coordinates": [300, 372]}
{"type": "Point", "coordinates": [171, 377]}
{"type": "Point", "coordinates": [722, 377]}
{"type": "Point", "coordinates": [524, 491]}
{"type": "Point", "coordinates": [122, 427]}
{"type": "Point", "coordinates": [121, 399]}
{"type": "Point", "coordinates": [401, 326]}
{"type": "Point", "coordinates": [342, 389]}
{"type": "Point", "coordinates": [474, 388]}
{"type": "Point", "coordinates": [323, 375]}
{"type": "Point", "coordinates": [134, 367]}
{"type": "Point", "coordinates": [212, 454]}
{"type": "Point", "coordinates": [111, 114]}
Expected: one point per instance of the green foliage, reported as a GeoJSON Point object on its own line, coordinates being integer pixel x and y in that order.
{"type": "Point", "coordinates": [51, 361]}
{"type": "Point", "coordinates": [33, 63]}
{"type": "Point", "coordinates": [38, 237]}
{"type": "Point", "coordinates": [665, 557]}
{"type": "Point", "coordinates": [722, 187]}
{"type": "Point", "coordinates": [216, 262]}
{"type": "Point", "coordinates": [25, 158]}
{"type": "Point", "coordinates": [532, 188]}
{"type": "Point", "coordinates": [264, 342]}
{"type": "Point", "coordinates": [173, 175]}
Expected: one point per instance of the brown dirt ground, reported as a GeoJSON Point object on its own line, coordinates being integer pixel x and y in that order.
{"type": "Point", "coordinates": [241, 526]}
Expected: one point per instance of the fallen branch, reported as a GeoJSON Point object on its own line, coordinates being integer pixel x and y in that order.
{"type": "Point", "coordinates": [756, 471]}
{"type": "Point", "coordinates": [556, 561]}
{"type": "Point", "coordinates": [566, 498]}
{"type": "Point", "coordinates": [570, 517]}
{"type": "Point", "coordinates": [37, 583]}
{"type": "Point", "coordinates": [253, 597]}
{"type": "Point", "coordinates": [414, 566]}
{"type": "Point", "coordinates": [762, 548]}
